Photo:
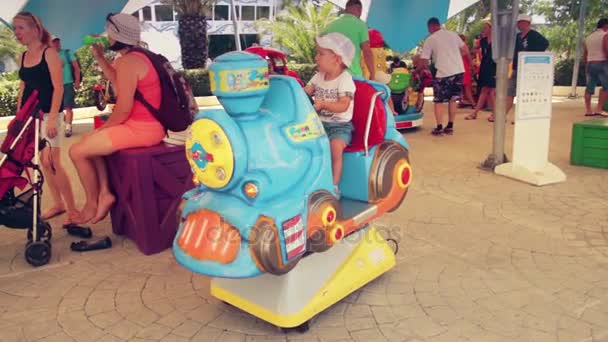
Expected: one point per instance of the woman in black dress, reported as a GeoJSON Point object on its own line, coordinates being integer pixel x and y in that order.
{"type": "Point", "coordinates": [487, 73]}
{"type": "Point", "coordinates": [41, 70]}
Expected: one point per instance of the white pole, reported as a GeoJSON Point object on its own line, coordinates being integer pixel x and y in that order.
{"type": "Point", "coordinates": [237, 35]}
{"type": "Point", "coordinates": [579, 41]}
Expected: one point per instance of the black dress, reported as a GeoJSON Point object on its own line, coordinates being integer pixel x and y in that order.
{"type": "Point", "coordinates": [487, 68]}
{"type": "Point", "coordinates": [38, 77]}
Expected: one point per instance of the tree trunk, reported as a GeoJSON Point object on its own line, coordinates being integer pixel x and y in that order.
{"type": "Point", "coordinates": [192, 33]}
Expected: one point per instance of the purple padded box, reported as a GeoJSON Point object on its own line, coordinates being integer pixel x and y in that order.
{"type": "Point", "coordinates": [148, 184]}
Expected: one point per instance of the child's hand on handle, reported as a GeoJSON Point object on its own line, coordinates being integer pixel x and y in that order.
{"type": "Point", "coordinates": [319, 105]}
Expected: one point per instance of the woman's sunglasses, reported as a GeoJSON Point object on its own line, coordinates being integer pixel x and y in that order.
{"type": "Point", "coordinates": [109, 19]}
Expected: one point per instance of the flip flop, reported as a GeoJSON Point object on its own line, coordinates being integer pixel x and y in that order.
{"type": "Point", "coordinates": [55, 213]}
{"type": "Point", "coordinates": [471, 117]}
{"type": "Point", "coordinates": [84, 246]}
{"type": "Point", "coordinates": [78, 231]}
{"type": "Point", "coordinates": [590, 114]}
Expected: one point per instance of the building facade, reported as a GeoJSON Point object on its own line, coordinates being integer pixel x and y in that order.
{"type": "Point", "coordinates": [159, 24]}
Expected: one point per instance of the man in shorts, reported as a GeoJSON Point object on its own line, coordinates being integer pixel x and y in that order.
{"type": "Point", "coordinates": [447, 51]}
{"type": "Point", "coordinates": [596, 59]}
{"type": "Point", "coordinates": [527, 40]}
{"type": "Point", "coordinates": [71, 82]}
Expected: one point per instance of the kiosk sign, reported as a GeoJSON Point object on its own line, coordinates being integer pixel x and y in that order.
{"type": "Point", "coordinates": [534, 85]}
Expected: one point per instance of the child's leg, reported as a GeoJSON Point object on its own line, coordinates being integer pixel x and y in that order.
{"type": "Point", "coordinates": [337, 149]}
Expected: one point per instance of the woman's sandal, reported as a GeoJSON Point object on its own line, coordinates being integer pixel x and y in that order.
{"type": "Point", "coordinates": [84, 246]}
{"type": "Point", "coordinates": [471, 116]}
{"type": "Point", "coordinates": [78, 231]}
{"type": "Point", "coordinates": [491, 118]}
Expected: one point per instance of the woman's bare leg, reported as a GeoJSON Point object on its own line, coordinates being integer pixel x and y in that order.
{"type": "Point", "coordinates": [83, 155]}
{"type": "Point", "coordinates": [106, 199]}
{"type": "Point", "coordinates": [468, 94]}
{"type": "Point", "coordinates": [480, 103]}
{"type": "Point", "coordinates": [51, 181]}
{"type": "Point", "coordinates": [59, 185]}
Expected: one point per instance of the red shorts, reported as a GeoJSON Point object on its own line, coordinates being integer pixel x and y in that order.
{"type": "Point", "coordinates": [133, 133]}
{"type": "Point", "coordinates": [467, 80]}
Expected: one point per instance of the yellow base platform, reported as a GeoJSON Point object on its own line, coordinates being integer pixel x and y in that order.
{"type": "Point", "coordinates": [318, 281]}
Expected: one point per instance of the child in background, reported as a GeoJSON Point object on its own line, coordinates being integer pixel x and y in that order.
{"type": "Point", "coordinates": [421, 77]}
{"type": "Point", "coordinates": [333, 90]}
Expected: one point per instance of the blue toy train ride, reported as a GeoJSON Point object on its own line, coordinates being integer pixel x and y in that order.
{"type": "Point", "coordinates": [264, 195]}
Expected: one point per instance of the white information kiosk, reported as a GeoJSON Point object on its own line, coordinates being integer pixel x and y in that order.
{"type": "Point", "coordinates": [533, 122]}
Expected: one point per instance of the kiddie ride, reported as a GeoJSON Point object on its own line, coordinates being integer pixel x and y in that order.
{"type": "Point", "coordinates": [265, 200]}
{"type": "Point", "coordinates": [408, 102]}
{"type": "Point", "coordinates": [276, 61]}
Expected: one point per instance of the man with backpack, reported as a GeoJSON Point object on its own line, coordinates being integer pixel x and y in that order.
{"type": "Point", "coordinates": [71, 82]}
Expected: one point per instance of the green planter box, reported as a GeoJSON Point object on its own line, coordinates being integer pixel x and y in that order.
{"type": "Point", "coordinates": [590, 143]}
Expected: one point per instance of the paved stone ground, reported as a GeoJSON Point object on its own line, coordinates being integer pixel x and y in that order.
{"type": "Point", "coordinates": [482, 258]}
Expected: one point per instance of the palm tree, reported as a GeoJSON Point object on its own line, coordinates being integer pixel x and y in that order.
{"type": "Point", "coordinates": [9, 46]}
{"type": "Point", "coordinates": [192, 30]}
{"type": "Point", "coordinates": [296, 27]}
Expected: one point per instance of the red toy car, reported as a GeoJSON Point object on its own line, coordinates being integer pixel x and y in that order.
{"type": "Point", "coordinates": [276, 60]}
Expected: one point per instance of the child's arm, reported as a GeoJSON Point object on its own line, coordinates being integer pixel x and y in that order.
{"type": "Point", "coordinates": [334, 107]}
{"type": "Point", "coordinates": [309, 89]}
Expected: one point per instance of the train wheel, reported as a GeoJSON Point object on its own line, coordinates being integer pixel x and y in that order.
{"type": "Point", "coordinates": [390, 172]}
{"type": "Point", "coordinates": [266, 249]}
{"type": "Point", "coordinates": [323, 212]}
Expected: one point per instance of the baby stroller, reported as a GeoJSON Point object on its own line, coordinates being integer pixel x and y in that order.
{"type": "Point", "coordinates": [22, 211]}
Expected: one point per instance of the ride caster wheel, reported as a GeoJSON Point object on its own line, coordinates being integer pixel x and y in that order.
{"type": "Point", "coordinates": [45, 232]}
{"type": "Point", "coordinates": [302, 328]}
{"type": "Point", "coordinates": [38, 253]}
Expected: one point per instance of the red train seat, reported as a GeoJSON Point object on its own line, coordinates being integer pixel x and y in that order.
{"type": "Point", "coordinates": [363, 97]}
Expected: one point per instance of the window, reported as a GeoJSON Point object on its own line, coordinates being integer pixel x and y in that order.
{"type": "Point", "coordinates": [221, 13]}
{"type": "Point", "coordinates": [146, 13]}
{"type": "Point", "coordinates": [135, 14]}
{"type": "Point", "coordinates": [248, 13]}
{"type": "Point", "coordinates": [263, 12]}
{"type": "Point", "coordinates": [163, 12]}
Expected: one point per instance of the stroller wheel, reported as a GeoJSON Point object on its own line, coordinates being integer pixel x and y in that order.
{"type": "Point", "coordinates": [44, 232]}
{"type": "Point", "coordinates": [38, 253]}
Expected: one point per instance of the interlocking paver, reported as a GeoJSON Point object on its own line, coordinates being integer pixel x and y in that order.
{"type": "Point", "coordinates": [482, 258]}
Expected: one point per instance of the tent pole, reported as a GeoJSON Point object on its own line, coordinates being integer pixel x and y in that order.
{"type": "Point", "coordinates": [503, 44]}
{"type": "Point", "coordinates": [579, 41]}
{"type": "Point", "coordinates": [237, 35]}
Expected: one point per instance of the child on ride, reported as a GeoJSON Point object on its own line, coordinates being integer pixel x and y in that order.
{"type": "Point", "coordinates": [333, 90]}
{"type": "Point", "coordinates": [422, 76]}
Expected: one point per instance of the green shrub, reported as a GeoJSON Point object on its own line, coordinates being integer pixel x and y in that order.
{"type": "Point", "coordinates": [9, 76]}
{"type": "Point", "coordinates": [563, 73]}
{"type": "Point", "coordinates": [199, 81]}
{"type": "Point", "coordinates": [306, 71]}
{"type": "Point", "coordinates": [9, 90]}
{"type": "Point", "coordinates": [85, 96]}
